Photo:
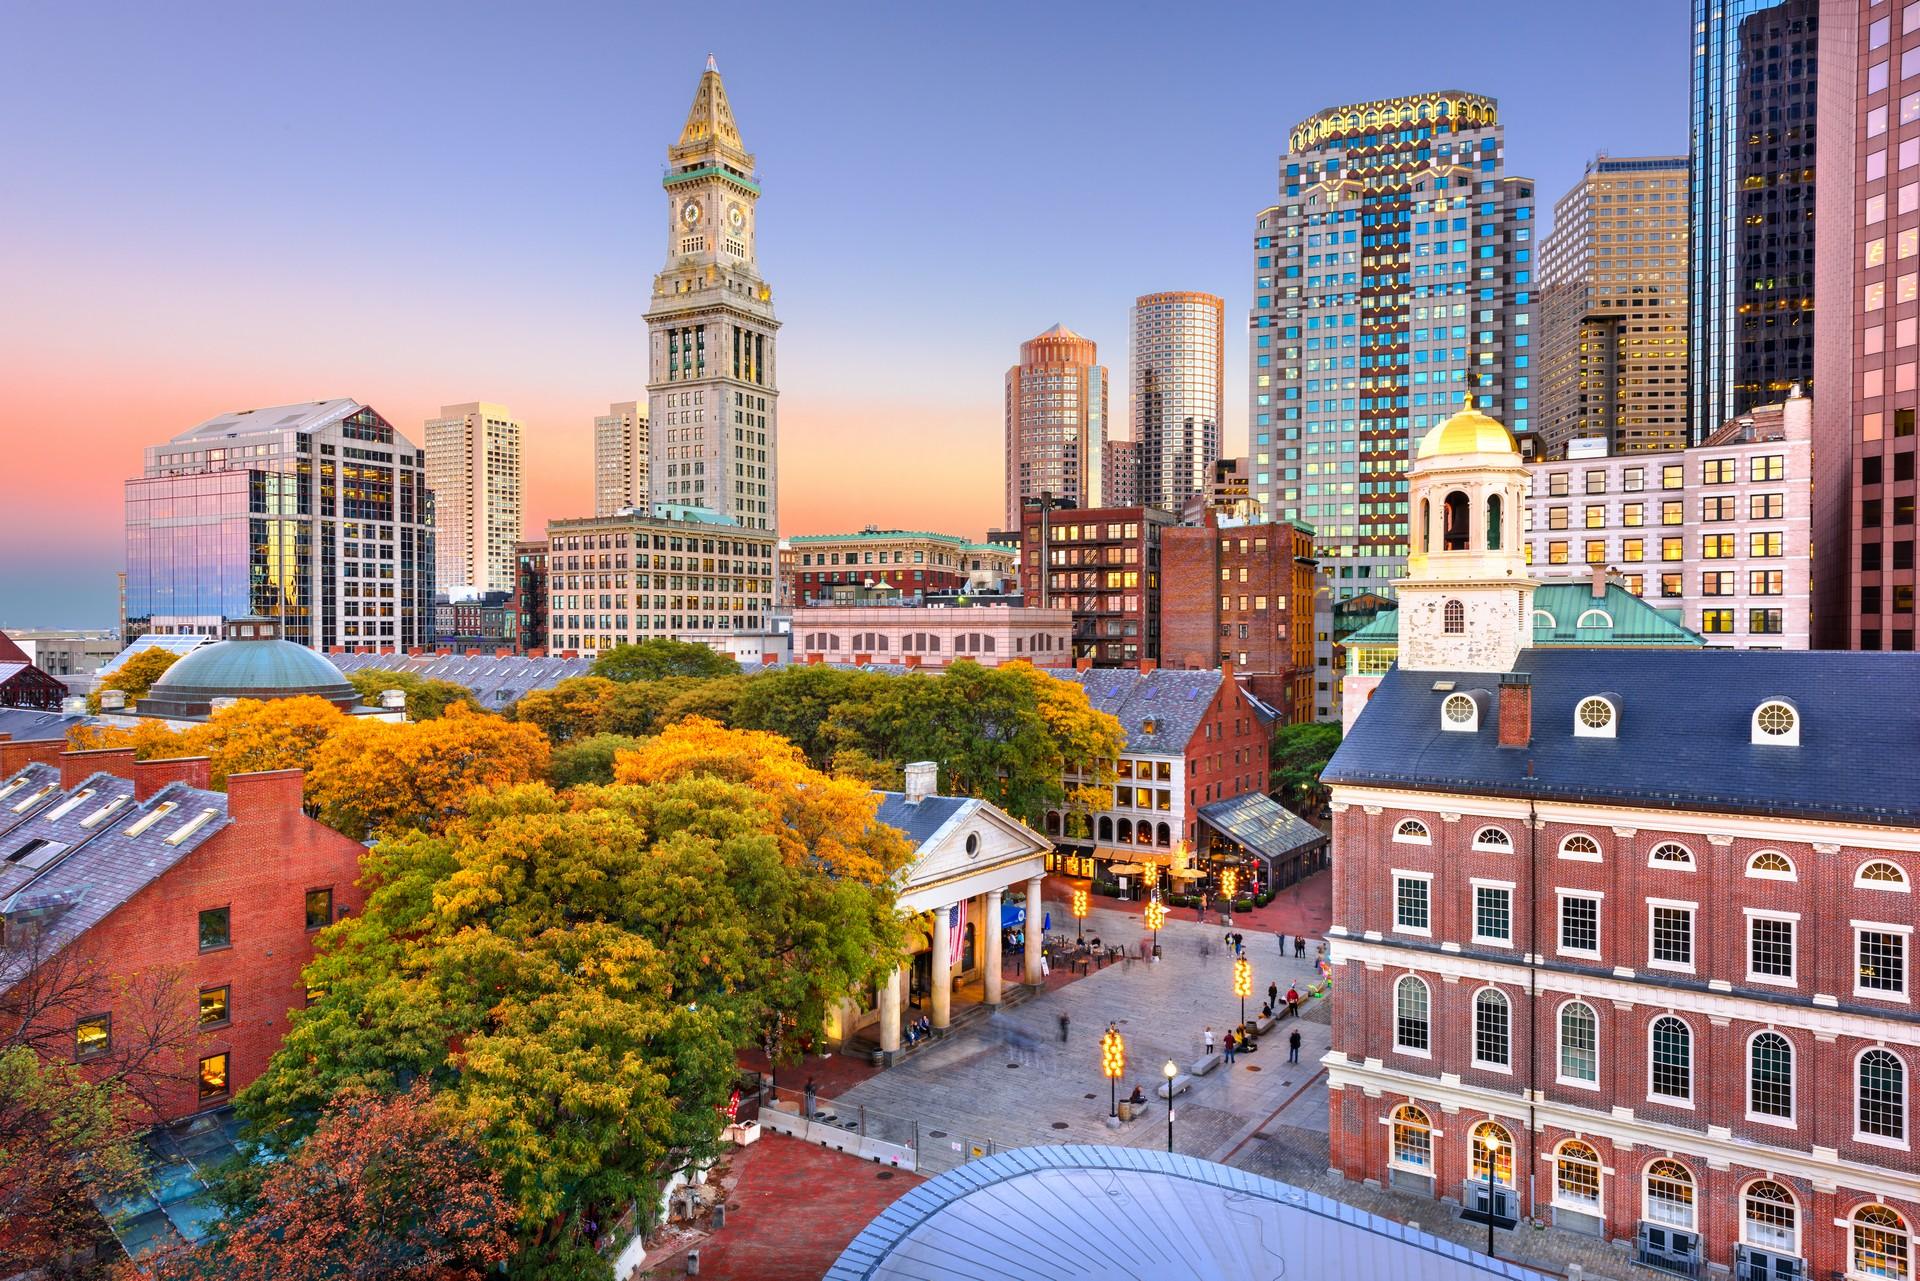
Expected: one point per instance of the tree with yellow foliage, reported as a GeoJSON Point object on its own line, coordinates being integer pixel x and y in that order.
{"type": "Point", "coordinates": [135, 676]}
{"type": "Point", "coordinates": [375, 778]}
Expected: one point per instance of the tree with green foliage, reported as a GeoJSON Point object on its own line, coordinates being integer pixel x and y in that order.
{"type": "Point", "coordinates": [574, 972]}
{"type": "Point", "coordinates": [649, 660]}
{"type": "Point", "coordinates": [589, 759]}
{"type": "Point", "coordinates": [135, 675]}
{"type": "Point", "coordinates": [573, 708]}
{"type": "Point", "coordinates": [63, 1139]}
{"type": "Point", "coordinates": [1295, 761]}
{"type": "Point", "coordinates": [427, 697]}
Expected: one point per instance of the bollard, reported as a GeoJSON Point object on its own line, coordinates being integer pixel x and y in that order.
{"type": "Point", "coordinates": [693, 1263]}
{"type": "Point", "coordinates": [720, 1215]}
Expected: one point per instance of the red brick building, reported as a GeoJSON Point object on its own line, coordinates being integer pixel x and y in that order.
{"type": "Point", "coordinates": [528, 602]}
{"type": "Point", "coordinates": [162, 902]}
{"type": "Point", "coordinates": [1242, 594]}
{"type": "Point", "coordinates": [1103, 564]}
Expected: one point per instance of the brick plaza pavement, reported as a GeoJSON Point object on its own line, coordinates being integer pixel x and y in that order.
{"type": "Point", "coordinates": [1011, 1081]}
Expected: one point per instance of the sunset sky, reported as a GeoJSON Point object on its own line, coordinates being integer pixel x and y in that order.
{"type": "Point", "coordinates": [214, 206]}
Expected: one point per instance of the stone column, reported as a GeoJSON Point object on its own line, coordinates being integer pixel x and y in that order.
{"type": "Point", "coordinates": [992, 923]}
{"type": "Point", "coordinates": [890, 1012]}
{"type": "Point", "coordinates": [1036, 916]}
{"type": "Point", "coordinates": [942, 965]}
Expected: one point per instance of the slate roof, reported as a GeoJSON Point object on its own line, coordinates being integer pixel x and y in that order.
{"type": "Point", "coordinates": [1174, 701]}
{"type": "Point", "coordinates": [921, 822]}
{"type": "Point", "coordinates": [80, 874]}
{"type": "Point", "coordinates": [496, 682]}
{"type": "Point", "coordinates": [1683, 733]}
{"type": "Point", "coordinates": [1558, 607]}
{"type": "Point", "coordinates": [25, 793]}
{"type": "Point", "coordinates": [153, 640]}
{"type": "Point", "coordinates": [26, 724]}
{"type": "Point", "coordinates": [1081, 1210]}
{"type": "Point", "coordinates": [1262, 824]}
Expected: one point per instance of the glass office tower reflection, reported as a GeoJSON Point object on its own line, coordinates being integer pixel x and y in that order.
{"type": "Point", "coordinates": [316, 514]}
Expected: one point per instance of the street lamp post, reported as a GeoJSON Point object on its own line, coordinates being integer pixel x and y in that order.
{"type": "Point", "coordinates": [1171, 1070]}
{"type": "Point", "coordinates": [1113, 1062]}
{"type": "Point", "coordinates": [1156, 917]}
{"type": "Point", "coordinates": [1492, 1146]}
{"type": "Point", "coordinates": [1243, 985]}
{"type": "Point", "coordinates": [1079, 913]}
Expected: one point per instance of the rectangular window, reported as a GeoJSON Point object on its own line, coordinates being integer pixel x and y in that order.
{"type": "Point", "coordinates": [1673, 476]}
{"type": "Point", "coordinates": [1767, 467]}
{"type": "Point", "coordinates": [1766, 622]}
{"type": "Point", "coordinates": [1633, 479]}
{"type": "Point", "coordinates": [1766, 544]}
{"type": "Point", "coordinates": [1596, 482]}
{"type": "Point", "coordinates": [1596, 516]}
{"type": "Point", "coordinates": [319, 908]}
{"type": "Point", "coordinates": [215, 1006]}
{"type": "Point", "coordinates": [1767, 507]}
{"type": "Point", "coordinates": [216, 929]}
{"type": "Point", "coordinates": [1492, 914]}
{"type": "Point", "coordinates": [213, 1076]}
{"type": "Point", "coordinates": [1580, 924]}
{"type": "Point", "coordinates": [1411, 907]}
{"type": "Point", "coordinates": [1883, 962]}
{"type": "Point", "coordinates": [1719, 507]}
{"type": "Point", "coordinates": [1673, 512]}
{"type": "Point", "coordinates": [1716, 622]}
{"type": "Point", "coordinates": [1633, 550]}
{"type": "Point", "coordinates": [1717, 471]}
{"type": "Point", "coordinates": [1671, 929]}
{"type": "Point", "coordinates": [1596, 551]}
{"type": "Point", "coordinates": [1633, 515]}
{"type": "Point", "coordinates": [1716, 582]}
{"type": "Point", "coordinates": [93, 1036]}
{"type": "Point", "coordinates": [1766, 582]}
{"type": "Point", "coordinates": [1671, 586]}
{"type": "Point", "coordinates": [1673, 547]}
{"type": "Point", "coordinates": [1717, 546]}
{"type": "Point", "coordinates": [1769, 948]}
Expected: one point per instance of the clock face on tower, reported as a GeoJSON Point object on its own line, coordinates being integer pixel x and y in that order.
{"type": "Point", "coordinates": [690, 212]}
{"type": "Point", "coordinates": [736, 216]}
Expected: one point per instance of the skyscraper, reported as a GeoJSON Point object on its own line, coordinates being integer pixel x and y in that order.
{"type": "Point", "coordinates": [315, 514]}
{"type": "Point", "coordinates": [1394, 275]}
{"type": "Point", "coordinates": [711, 395]}
{"type": "Point", "coordinates": [1750, 296]}
{"type": "Point", "coordinates": [1176, 371]}
{"type": "Point", "coordinates": [473, 469]}
{"type": "Point", "coordinates": [620, 458]}
{"type": "Point", "coordinates": [1613, 309]}
{"type": "Point", "coordinates": [1056, 421]}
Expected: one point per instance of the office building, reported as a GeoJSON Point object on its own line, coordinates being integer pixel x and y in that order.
{"type": "Point", "coordinates": [314, 514]}
{"type": "Point", "coordinates": [1056, 414]}
{"type": "Point", "coordinates": [1750, 293]}
{"type": "Point", "coordinates": [1120, 473]}
{"type": "Point", "coordinates": [712, 397]}
{"type": "Point", "coordinates": [909, 561]}
{"type": "Point", "coordinates": [1613, 309]}
{"type": "Point", "coordinates": [1176, 374]}
{"type": "Point", "coordinates": [1394, 275]}
{"type": "Point", "coordinates": [473, 469]}
{"type": "Point", "coordinates": [1241, 596]}
{"type": "Point", "coordinates": [620, 458]}
{"type": "Point", "coordinates": [1104, 565]}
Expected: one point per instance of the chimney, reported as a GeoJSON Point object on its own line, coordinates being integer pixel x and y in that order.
{"type": "Point", "coordinates": [269, 794]}
{"type": "Point", "coordinates": [1083, 664]}
{"type": "Point", "coordinates": [1516, 709]}
{"type": "Point", "coordinates": [923, 780]}
{"type": "Point", "coordinates": [1599, 582]}
{"type": "Point", "coordinates": [113, 700]}
{"type": "Point", "coordinates": [767, 660]}
{"type": "Point", "coordinates": [74, 766]}
{"type": "Point", "coordinates": [16, 756]}
{"type": "Point", "coordinates": [1147, 665]}
{"type": "Point", "coordinates": [503, 653]}
{"type": "Point", "coordinates": [394, 700]}
{"type": "Point", "coordinates": [538, 651]}
{"type": "Point", "coordinates": [150, 776]}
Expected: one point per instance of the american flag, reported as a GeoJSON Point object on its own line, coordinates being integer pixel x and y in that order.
{"type": "Point", "coordinates": [956, 933]}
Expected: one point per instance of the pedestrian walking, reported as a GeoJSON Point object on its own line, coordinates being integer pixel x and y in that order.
{"type": "Point", "coordinates": [1293, 1047]}
{"type": "Point", "coordinates": [1064, 1021]}
{"type": "Point", "coordinates": [811, 1097]}
{"type": "Point", "coordinates": [1209, 1038]}
{"type": "Point", "coordinates": [1273, 995]}
{"type": "Point", "coordinates": [1239, 944]}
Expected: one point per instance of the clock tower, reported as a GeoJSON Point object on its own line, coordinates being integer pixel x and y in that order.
{"type": "Point", "coordinates": [710, 328]}
{"type": "Point", "coordinates": [1466, 604]}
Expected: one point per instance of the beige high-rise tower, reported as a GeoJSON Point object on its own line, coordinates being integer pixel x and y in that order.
{"type": "Point", "coordinates": [620, 458]}
{"type": "Point", "coordinates": [473, 469]}
{"type": "Point", "coordinates": [711, 394]}
{"type": "Point", "coordinates": [1056, 421]}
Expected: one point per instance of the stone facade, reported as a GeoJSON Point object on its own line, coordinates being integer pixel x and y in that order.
{"type": "Point", "coordinates": [933, 636]}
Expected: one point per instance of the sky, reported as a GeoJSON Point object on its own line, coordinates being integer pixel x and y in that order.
{"type": "Point", "coordinates": [214, 206]}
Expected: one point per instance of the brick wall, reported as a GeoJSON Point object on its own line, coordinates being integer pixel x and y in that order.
{"type": "Point", "coordinates": [1227, 755]}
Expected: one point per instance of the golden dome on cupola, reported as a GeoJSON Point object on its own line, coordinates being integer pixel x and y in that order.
{"type": "Point", "coordinates": [1467, 432]}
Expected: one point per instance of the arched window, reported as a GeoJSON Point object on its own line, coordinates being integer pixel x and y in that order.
{"type": "Point", "coordinates": [1412, 831]}
{"type": "Point", "coordinates": [1494, 840]}
{"type": "Point", "coordinates": [1776, 724]}
{"type": "Point", "coordinates": [1123, 831]}
{"type": "Point", "coordinates": [1770, 1218]}
{"type": "Point", "coordinates": [1770, 865]}
{"type": "Point", "coordinates": [1880, 875]}
{"type": "Point", "coordinates": [1882, 1111]}
{"type": "Point", "coordinates": [1412, 1017]}
{"type": "Point", "coordinates": [1412, 1138]}
{"type": "Point", "coordinates": [1594, 718]}
{"type": "Point", "coordinates": [1576, 1175]}
{"type": "Point", "coordinates": [1594, 618]}
{"type": "Point", "coordinates": [1162, 836]}
{"type": "Point", "coordinates": [1670, 1059]}
{"type": "Point", "coordinates": [1460, 714]}
{"type": "Point", "coordinates": [1492, 1029]}
{"type": "Point", "coordinates": [1494, 510]}
{"type": "Point", "coordinates": [1455, 533]}
{"type": "Point", "coordinates": [1426, 525]}
{"type": "Point", "coordinates": [1579, 1043]}
{"type": "Point", "coordinates": [1670, 854]}
{"type": "Point", "coordinates": [1053, 822]}
{"type": "Point", "coordinates": [1453, 618]}
{"type": "Point", "coordinates": [1106, 828]}
{"type": "Point", "coordinates": [1770, 1075]}
{"type": "Point", "coordinates": [1881, 1246]}
{"type": "Point", "coordinates": [1670, 1194]}
{"type": "Point", "coordinates": [1580, 846]}
{"type": "Point", "coordinates": [1490, 1144]}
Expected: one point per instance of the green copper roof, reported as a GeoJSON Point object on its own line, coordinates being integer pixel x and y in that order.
{"type": "Point", "coordinates": [241, 667]}
{"type": "Point", "coordinates": [710, 171]}
{"type": "Point", "coordinates": [893, 535]}
{"type": "Point", "coordinates": [1619, 618]}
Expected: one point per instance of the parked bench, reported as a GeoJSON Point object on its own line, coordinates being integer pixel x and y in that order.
{"type": "Point", "coordinates": [1205, 1063]}
{"type": "Point", "coordinates": [1261, 1025]}
{"type": "Point", "coordinates": [1179, 1085]}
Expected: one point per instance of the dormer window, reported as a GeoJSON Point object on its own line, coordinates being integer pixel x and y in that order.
{"type": "Point", "coordinates": [1776, 724]}
{"type": "Point", "coordinates": [1596, 717]}
{"type": "Point", "coordinates": [1460, 714]}
{"type": "Point", "coordinates": [1594, 618]}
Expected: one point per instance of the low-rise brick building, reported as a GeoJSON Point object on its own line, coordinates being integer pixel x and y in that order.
{"type": "Point", "coordinates": [1104, 565]}
{"type": "Point", "coordinates": [1242, 594]}
{"type": "Point", "coordinates": [909, 561]}
{"type": "Point", "coordinates": [915, 634]}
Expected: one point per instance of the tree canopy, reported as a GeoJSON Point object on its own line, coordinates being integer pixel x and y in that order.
{"type": "Point", "coordinates": [373, 777]}
{"type": "Point", "coordinates": [649, 660]}
{"type": "Point", "coordinates": [1296, 759]}
{"type": "Point", "coordinates": [427, 697]}
{"type": "Point", "coordinates": [135, 676]}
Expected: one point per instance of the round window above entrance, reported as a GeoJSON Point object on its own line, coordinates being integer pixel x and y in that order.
{"type": "Point", "coordinates": [973, 844]}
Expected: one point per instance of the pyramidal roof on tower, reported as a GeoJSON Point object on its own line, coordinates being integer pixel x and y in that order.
{"type": "Point", "coordinates": [710, 134]}
{"type": "Point", "coordinates": [1061, 331]}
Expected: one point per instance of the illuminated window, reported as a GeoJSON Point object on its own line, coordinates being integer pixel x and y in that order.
{"type": "Point", "coordinates": [213, 1076]}
{"type": "Point", "coordinates": [93, 1036]}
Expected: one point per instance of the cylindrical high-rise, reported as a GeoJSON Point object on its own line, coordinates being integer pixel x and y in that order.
{"type": "Point", "coordinates": [1056, 421]}
{"type": "Point", "coordinates": [1174, 372]}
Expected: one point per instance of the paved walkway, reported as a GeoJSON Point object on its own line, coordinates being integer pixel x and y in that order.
{"type": "Point", "coordinates": [1305, 908]}
{"type": "Point", "coordinates": [1011, 1081]}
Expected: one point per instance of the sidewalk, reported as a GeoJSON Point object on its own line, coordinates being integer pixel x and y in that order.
{"type": "Point", "coordinates": [1305, 908]}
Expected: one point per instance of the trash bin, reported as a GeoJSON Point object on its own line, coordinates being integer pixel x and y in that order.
{"type": "Point", "coordinates": [878, 1058]}
{"type": "Point", "coordinates": [693, 1263]}
{"type": "Point", "coordinates": [1126, 1109]}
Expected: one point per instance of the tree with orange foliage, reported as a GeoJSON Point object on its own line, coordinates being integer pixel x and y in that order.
{"type": "Point", "coordinates": [383, 1190]}
{"type": "Point", "coordinates": [372, 777]}
{"type": "Point", "coordinates": [150, 740]}
{"type": "Point", "coordinates": [250, 735]}
{"type": "Point", "coordinates": [135, 676]}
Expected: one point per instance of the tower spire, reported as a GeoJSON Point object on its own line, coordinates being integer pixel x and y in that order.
{"type": "Point", "coordinates": [710, 134]}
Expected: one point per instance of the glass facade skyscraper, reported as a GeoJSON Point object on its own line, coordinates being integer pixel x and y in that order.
{"type": "Point", "coordinates": [1394, 275]}
{"type": "Point", "coordinates": [1175, 371]}
{"type": "Point", "coordinates": [315, 514]}
{"type": "Point", "coordinates": [1751, 286]}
